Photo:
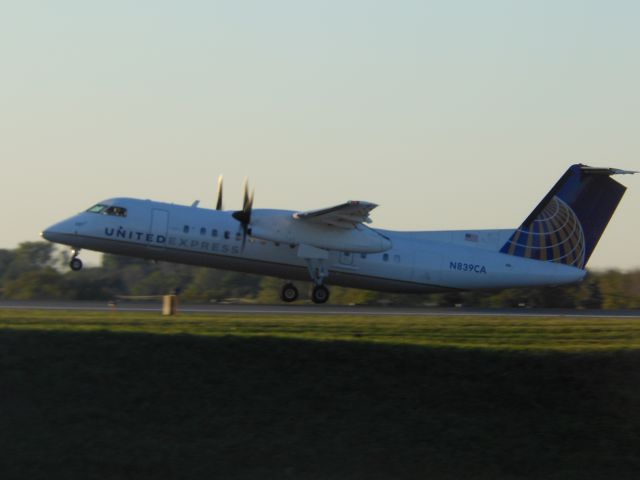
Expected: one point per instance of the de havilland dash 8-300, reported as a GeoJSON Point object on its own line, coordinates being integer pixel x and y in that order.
{"type": "Point", "coordinates": [335, 246]}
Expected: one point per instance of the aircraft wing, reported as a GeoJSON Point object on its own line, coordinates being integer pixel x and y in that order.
{"type": "Point", "coordinates": [346, 215]}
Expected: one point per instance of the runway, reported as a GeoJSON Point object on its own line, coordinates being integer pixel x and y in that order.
{"type": "Point", "coordinates": [302, 309]}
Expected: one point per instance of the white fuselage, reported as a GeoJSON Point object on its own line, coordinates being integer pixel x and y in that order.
{"type": "Point", "coordinates": [415, 262]}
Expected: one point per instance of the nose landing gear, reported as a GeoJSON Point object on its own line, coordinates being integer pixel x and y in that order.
{"type": "Point", "coordinates": [75, 263]}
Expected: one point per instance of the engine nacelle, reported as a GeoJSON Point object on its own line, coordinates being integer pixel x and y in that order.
{"type": "Point", "coordinates": [283, 228]}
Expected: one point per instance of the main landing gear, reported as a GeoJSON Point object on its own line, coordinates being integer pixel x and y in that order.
{"type": "Point", "coordinates": [75, 263]}
{"type": "Point", "coordinates": [315, 259]}
{"type": "Point", "coordinates": [319, 294]}
{"type": "Point", "coordinates": [289, 293]}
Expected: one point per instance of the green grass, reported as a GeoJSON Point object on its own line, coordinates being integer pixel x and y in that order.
{"type": "Point", "coordinates": [116, 396]}
{"type": "Point", "coordinates": [503, 333]}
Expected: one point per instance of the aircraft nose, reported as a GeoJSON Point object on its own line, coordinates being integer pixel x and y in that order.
{"type": "Point", "coordinates": [60, 232]}
{"type": "Point", "coordinates": [50, 234]}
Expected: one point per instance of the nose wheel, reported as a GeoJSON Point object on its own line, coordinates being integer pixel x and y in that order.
{"type": "Point", "coordinates": [75, 263]}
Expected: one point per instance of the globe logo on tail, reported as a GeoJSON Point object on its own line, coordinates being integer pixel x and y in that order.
{"type": "Point", "coordinates": [555, 235]}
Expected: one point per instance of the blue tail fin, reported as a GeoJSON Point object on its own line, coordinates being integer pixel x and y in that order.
{"type": "Point", "coordinates": [567, 224]}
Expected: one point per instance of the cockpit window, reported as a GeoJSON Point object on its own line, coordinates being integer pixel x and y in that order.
{"type": "Point", "coordinates": [116, 211]}
{"type": "Point", "coordinates": [107, 210]}
{"type": "Point", "coordinates": [97, 208]}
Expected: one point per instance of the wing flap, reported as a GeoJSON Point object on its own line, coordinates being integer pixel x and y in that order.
{"type": "Point", "coordinates": [346, 215]}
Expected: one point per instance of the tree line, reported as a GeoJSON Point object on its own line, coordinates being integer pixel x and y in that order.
{"type": "Point", "coordinates": [38, 270]}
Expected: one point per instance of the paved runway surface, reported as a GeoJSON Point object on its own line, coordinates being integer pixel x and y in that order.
{"type": "Point", "coordinates": [239, 309]}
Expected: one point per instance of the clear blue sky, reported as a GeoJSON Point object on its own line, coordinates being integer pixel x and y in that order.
{"type": "Point", "coordinates": [449, 114]}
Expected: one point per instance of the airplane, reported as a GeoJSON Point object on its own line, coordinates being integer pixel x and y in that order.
{"type": "Point", "coordinates": [336, 246]}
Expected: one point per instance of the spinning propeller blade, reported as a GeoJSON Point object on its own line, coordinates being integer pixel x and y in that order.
{"type": "Point", "coordinates": [219, 203]}
{"type": "Point", "coordinates": [244, 215]}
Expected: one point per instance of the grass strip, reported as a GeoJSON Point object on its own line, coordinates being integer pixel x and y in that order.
{"type": "Point", "coordinates": [493, 333]}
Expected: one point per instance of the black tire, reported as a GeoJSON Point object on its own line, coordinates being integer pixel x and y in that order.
{"type": "Point", "coordinates": [75, 264]}
{"type": "Point", "coordinates": [289, 293]}
{"type": "Point", "coordinates": [320, 294]}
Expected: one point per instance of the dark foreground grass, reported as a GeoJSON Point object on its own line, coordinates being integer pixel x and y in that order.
{"type": "Point", "coordinates": [99, 404]}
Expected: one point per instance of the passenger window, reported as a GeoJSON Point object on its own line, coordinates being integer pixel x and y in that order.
{"type": "Point", "coordinates": [227, 234]}
{"type": "Point", "coordinates": [203, 231]}
{"type": "Point", "coordinates": [363, 256]}
{"type": "Point", "coordinates": [186, 229]}
{"type": "Point", "coordinates": [238, 237]}
{"type": "Point", "coordinates": [214, 233]}
{"type": "Point", "coordinates": [385, 257]}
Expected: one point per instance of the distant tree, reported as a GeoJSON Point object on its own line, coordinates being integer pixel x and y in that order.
{"type": "Point", "coordinates": [269, 290]}
{"type": "Point", "coordinates": [449, 299]}
{"type": "Point", "coordinates": [551, 297]}
{"type": "Point", "coordinates": [611, 285]}
{"type": "Point", "coordinates": [119, 262]}
{"type": "Point", "coordinates": [587, 294]}
{"type": "Point", "coordinates": [241, 285]}
{"type": "Point", "coordinates": [93, 284]}
{"type": "Point", "coordinates": [408, 299]}
{"type": "Point", "coordinates": [211, 284]}
{"type": "Point", "coordinates": [633, 289]}
{"type": "Point", "coordinates": [160, 282]}
{"type": "Point", "coordinates": [352, 296]}
{"type": "Point", "coordinates": [620, 290]}
{"type": "Point", "coordinates": [508, 298]}
{"type": "Point", "coordinates": [130, 271]}
{"type": "Point", "coordinates": [6, 257]}
{"type": "Point", "coordinates": [43, 284]}
{"type": "Point", "coordinates": [29, 257]}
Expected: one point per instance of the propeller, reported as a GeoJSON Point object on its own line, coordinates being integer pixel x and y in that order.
{"type": "Point", "coordinates": [244, 215]}
{"type": "Point", "coordinates": [219, 203]}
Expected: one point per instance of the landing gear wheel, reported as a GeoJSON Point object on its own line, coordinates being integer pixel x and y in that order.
{"type": "Point", "coordinates": [320, 294]}
{"type": "Point", "coordinates": [75, 264]}
{"type": "Point", "coordinates": [289, 293]}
